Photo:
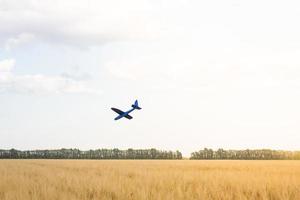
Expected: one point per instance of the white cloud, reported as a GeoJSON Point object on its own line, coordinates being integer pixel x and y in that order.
{"type": "Point", "coordinates": [38, 83]}
{"type": "Point", "coordinates": [5, 70]}
{"type": "Point", "coordinates": [205, 71]}
{"type": "Point", "coordinates": [75, 22]}
{"type": "Point", "coordinates": [21, 39]}
{"type": "Point", "coordinates": [6, 65]}
{"type": "Point", "coordinates": [198, 43]}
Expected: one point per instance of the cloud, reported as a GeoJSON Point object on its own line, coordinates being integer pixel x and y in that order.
{"type": "Point", "coordinates": [193, 45]}
{"type": "Point", "coordinates": [6, 65]}
{"type": "Point", "coordinates": [75, 22]}
{"type": "Point", "coordinates": [21, 39]}
{"type": "Point", "coordinates": [5, 70]}
{"type": "Point", "coordinates": [39, 83]}
{"type": "Point", "coordinates": [122, 70]}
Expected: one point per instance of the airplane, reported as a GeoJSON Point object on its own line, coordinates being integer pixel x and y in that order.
{"type": "Point", "coordinates": [126, 114]}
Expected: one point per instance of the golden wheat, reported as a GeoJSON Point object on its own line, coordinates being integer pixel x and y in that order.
{"type": "Point", "coordinates": [140, 180]}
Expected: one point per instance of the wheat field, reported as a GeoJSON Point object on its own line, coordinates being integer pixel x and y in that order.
{"type": "Point", "coordinates": [146, 179]}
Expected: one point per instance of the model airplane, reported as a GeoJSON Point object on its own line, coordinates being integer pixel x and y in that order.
{"type": "Point", "coordinates": [126, 114]}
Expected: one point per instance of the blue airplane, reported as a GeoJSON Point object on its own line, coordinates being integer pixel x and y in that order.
{"type": "Point", "coordinates": [126, 114]}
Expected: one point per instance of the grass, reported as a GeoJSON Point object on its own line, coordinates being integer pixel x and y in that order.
{"type": "Point", "coordinates": [140, 180]}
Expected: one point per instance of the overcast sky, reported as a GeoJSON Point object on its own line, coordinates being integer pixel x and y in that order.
{"type": "Point", "coordinates": [207, 74]}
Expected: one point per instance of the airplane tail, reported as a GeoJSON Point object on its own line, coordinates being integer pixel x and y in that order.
{"type": "Point", "coordinates": [136, 105]}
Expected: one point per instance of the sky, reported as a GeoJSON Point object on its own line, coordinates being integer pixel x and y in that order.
{"type": "Point", "coordinates": [206, 73]}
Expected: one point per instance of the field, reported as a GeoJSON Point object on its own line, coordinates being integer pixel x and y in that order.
{"type": "Point", "coordinates": [157, 180]}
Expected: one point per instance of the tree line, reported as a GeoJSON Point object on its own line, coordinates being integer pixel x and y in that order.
{"type": "Point", "coordinates": [258, 154]}
{"type": "Point", "coordinates": [205, 154]}
{"type": "Point", "coordinates": [90, 154]}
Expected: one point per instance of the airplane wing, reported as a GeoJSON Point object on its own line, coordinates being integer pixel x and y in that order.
{"type": "Point", "coordinates": [120, 112]}
{"type": "Point", "coordinates": [128, 116]}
